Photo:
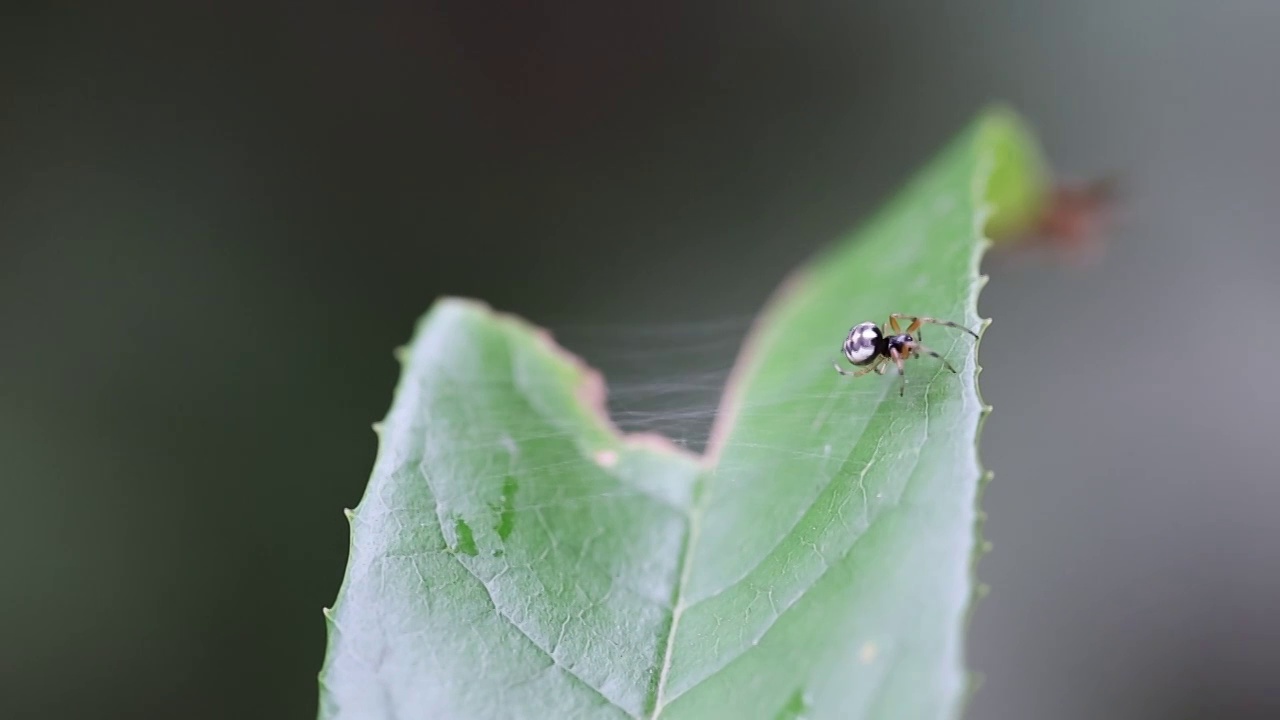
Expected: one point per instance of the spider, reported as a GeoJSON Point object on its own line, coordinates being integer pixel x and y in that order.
{"type": "Point", "coordinates": [869, 347]}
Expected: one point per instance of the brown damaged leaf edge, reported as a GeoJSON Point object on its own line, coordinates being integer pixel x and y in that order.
{"type": "Point", "coordinates": [592, 392]}
{"type": "Point", "coordinates": [727, 413]}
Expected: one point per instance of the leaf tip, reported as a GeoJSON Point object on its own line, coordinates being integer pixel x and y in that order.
{"type": "Point", "coordinates": [1014, 186]}
{"type": "Point", "coordinates": [1000, 116]}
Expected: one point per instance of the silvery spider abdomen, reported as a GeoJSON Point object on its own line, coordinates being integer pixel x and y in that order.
{"type": "Point", "coordinates": [864, 343]}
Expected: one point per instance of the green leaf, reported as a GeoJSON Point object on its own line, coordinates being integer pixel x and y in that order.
{"type": "Point", "coordinates": [515, 556]}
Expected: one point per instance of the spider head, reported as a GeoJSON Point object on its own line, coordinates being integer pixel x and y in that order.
{"type": "Point", "coordinates": [904, 344]}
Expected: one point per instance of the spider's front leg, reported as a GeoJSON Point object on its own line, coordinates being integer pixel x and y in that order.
{"type": "Point", "coordinates": [902, 370]}
{"type": "Point", "coordinates": [918, 320]}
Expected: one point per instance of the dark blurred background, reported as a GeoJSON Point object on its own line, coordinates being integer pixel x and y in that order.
{"type": "Point", "coordinates": [217, 221]}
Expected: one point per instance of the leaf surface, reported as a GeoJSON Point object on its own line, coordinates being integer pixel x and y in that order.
{"type": "Point", "coordinates": [515, 556]}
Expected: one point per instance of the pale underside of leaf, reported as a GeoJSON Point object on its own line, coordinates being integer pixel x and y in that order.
{"type": "Point", "coordinates": [516, 556]}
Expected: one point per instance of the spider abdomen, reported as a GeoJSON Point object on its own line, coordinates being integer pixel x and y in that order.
{"type": "Point", "coordinates": [863, 344]}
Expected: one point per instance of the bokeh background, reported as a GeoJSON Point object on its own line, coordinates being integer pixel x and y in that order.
{"type": "Point", "coordinates": [216, 221]}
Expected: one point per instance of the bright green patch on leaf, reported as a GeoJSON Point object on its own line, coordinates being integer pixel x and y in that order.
{"type": "Point", "coordinates": [514, 556]}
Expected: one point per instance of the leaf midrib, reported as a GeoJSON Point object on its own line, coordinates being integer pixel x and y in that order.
{"type": "Point", "coordinates": [678, 595]}
{"type": "Point", "coordinates": [725, 421]}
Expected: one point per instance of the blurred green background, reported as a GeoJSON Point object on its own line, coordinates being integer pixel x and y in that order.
{"type": "Point", "coordinates": [218, 220]}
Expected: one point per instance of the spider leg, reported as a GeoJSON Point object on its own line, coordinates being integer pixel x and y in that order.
{"type": "Point", "coordinates": [902, 389]}
{"type": "Point", "coordinates": [917, 320]}
{"type": "Point", "coordinates": [893, 323]}
{"type": "Point", "coordinates": [879, 361]}
{"type": "Point", "coordinates": [927, 351]}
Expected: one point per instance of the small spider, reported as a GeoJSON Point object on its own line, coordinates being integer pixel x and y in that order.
{"type": "Point", "coordinates": [869, 347]}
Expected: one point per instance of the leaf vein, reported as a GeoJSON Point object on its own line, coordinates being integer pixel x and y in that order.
{"type": "Point", "coordinates": [511, 621]}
